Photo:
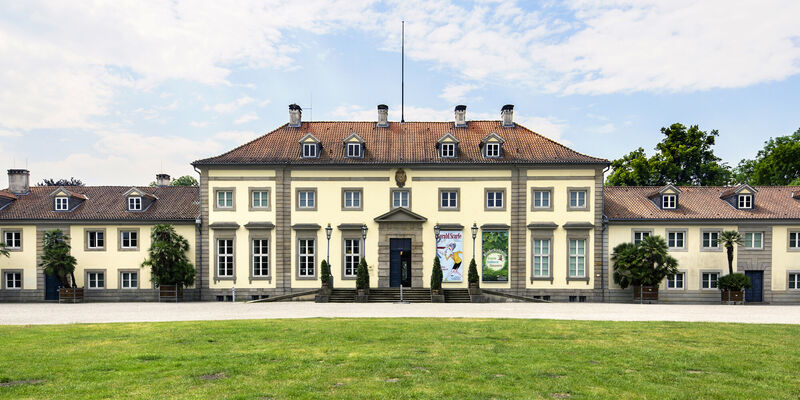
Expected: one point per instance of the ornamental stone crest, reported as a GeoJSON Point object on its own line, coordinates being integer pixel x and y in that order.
{"type": "Point", "coordinates": [400, 177]}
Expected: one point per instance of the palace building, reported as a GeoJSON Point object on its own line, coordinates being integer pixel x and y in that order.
{"type": "Point", "coordinates": [533, 213]}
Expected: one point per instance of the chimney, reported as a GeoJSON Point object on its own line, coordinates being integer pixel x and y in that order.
{"type": "Point", "coordinates": [507, 114]}
{"type": "Point", "coordinates": [461, 116]}
{"type": "Point", "coordinates": [162, 180]}
{"type": "Point", "coordinates": [295, 115]}
{"type": "Point", "coordinates": [19, 181]}
{"type": "Point", "coordinates": [383, 116]}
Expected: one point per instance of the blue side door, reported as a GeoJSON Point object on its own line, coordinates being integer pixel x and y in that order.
{"type": "Point", "coordinates": [756, 293]}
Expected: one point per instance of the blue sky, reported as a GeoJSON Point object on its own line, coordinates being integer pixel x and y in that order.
{"type": "Point", "coordinates": [115, 92]}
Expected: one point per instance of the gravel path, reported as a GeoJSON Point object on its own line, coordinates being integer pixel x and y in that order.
{"type": "Point", "coordinates": [44, 313]}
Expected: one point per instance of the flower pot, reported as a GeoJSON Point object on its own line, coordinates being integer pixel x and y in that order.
{"type": "Point", "coordinates": [735, 296]}
{"type": "Point", "coordinates": [644, 293]}
{"type": "Point", "coordinates": [172, 293]}
{"type": "Point", "coordinates": [70, 295]}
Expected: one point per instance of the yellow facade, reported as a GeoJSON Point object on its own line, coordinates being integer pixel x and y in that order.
{"type": "Point", "coordinates": [24, 259]}
{"type": "Point", "coordinates": [783, 259]}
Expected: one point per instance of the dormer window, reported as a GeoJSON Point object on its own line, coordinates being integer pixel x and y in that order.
{"type": "Point", "coordinates": [492, 150]}
{"type": "Point", "coordinates": [62, 203]}
{"type": "Point", "coordinates": [745, 201]}
{"type": "Point", "coordinates": [134, 203]}
{"type": "Point", "coordinates": [309, 150]}
{"type": "Point", "coordinates": [353, 150]}
{"type": "Point", "coordinates": [447, 150]}
{"type": "Point", "coordinates": [669, 201]}
{"type": "Point", "coordinates": [492, 146]}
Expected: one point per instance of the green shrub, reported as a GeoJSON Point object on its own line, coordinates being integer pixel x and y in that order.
{"type": "Point", "coordinates": [472, 276]}
{"type": "Point", "coordinates": [646, 263]}
{"type": "Point", "coordinates": [325, 272]}
{"type": "Point", "coordinates": [362, 275]}
{"type": "Point", "coordinates": [436, 275]}
{"type": "Point", "coordinates": [167, 258]}
{"type": "Point", "coordinates": [734, 282]}
{"type": "Point", "coordinates": [56, 259]}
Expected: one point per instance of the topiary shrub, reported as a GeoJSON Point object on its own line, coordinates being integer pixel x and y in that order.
{"type": "Point", "coordinates": [472, 275]}
{"type": "Point", "coordinates": [734, 282]}
{"type": "Point", "coordinates": [436, 275]}
{"type": "Point", "coordinates": [325, 273]}
{"type": "Point", "coordinates": [362, 275]}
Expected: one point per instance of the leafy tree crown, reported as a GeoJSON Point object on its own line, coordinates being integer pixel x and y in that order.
{"type": "Point", "coordinates": [167, 258]}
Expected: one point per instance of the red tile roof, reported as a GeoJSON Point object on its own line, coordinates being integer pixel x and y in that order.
{"type": "Point", "coordinates": [700, 203]}
{"type": "Point", "coordinates": [175, 203]}
{"type": "Point", "coordinates": [7, 194]}
{"type": "Point", "coordinates": [401, 143]}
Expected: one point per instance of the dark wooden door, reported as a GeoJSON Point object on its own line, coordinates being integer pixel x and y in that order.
{"type": "Point", "coordinates": [399, 262]}
{"type": "Point", "coordinates": [756, 293]}
{"type": "Point", "coordinates": [51, 285]}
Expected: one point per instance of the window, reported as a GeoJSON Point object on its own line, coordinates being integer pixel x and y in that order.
{"type": "Point", "coordinates": [710, 280]}
{"type": "Point", "coordinates": [638, 236]}
{"type": "Point", "coordinates": [352, 199]}
{"type": "Point", "coordinates": [541, 258]}
{"type": "Point", "coordinates": [306, 258]}
{"type": "Point", "coordinates": [494, 199]}
{"type": "Point", "coordinates": [400, 198]}
{"type": "Point", "coordinates": [492, 150]}
{"type": "Point", "coordinates": [541, 199]}
{"type": "Point", "coordinates": [577, 199]}
{"type": "Point", "coordinates": [577, 258]}
{"type": "Point", "coordinates": [794, 240]}
{"type": "Point", "coordinates": [129, 239]}
{"type": "Point", "coordinates": [447, 150]}
{"type": "Point", "coordinates": [352, 256]}
{"type": "Point", "coordinates": [309, 150]}
{"type": "Point", "coordinates": [306, 199]}
{"type": "Point", "coordinates": [754, 240]}
{"type": "Point", "coordinates": [675, 281]}
{"type": "Point", "coordinates": [353, 150]}
{"type": "Point", "coordinates": [97, 280]}
{"type": "Point", "coordinates": [794, 281]}
{"type": "Point", "coordinates": [62, 204]}
{"type": "Point", "coordinates": [448, 199]}
{"type": "Point", "coordinates": [260, 257]}
{"type": "Point", "coordinates": [225, 199]}
{"type": "Point", "coordinates": [13, 280]}
{"type": "Point", "coordinates": [260, 199]}
{"type": "Point", "coordinates": [669, 201]}
{"type": "Point", "coordinates": [676, 240]}
{"type": "Point", "coordinates": [95, 239]}
{"type": "Point", "coordinates": [224, 257]}
{"type": "Point", "coordinates": [134, 203]}
{"type": "Point", "coordinates": [745, 201]}
{"type": "Point", "coordinates": [711, 240]}
{"type": "Point", "coordinates": [129, 280]}
{"type": "Point", "coordinates": [13, 240]}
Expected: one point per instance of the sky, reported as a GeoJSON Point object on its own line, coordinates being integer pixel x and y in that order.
{"type": "Point", "coordinates": [113, 92]}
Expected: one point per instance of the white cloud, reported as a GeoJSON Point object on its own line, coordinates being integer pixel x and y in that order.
{"type": "Point", "coordinates": [246, 118]}
{"type": "Point", "coordinates": [603, 129]}
{"type": "Point", "coordinates": [198, 124]}
{"type": "Point", "coordinates": [237, 137]}
{"type": "Point", "coordinates": [457, 93]}
{"type": "Point", "coordinates": [7, 133]}
{"type": "Point", "coordinates": [227, 108]}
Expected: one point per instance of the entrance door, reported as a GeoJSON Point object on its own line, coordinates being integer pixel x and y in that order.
{"type": "Point", "coordinates": [399, 262]}
{"type": "Point", "coordinates": [51, 284]}
{"type": "Point", "coordinates": [755, 293]}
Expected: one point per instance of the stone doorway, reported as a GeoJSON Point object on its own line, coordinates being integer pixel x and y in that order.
{"type": "Point", "coordinates": [400, 223]}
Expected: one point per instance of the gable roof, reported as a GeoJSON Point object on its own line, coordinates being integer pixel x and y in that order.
{"type": "Point", "coordinates": [103, 203]}
{"type": "Point", "coordinates": [400, 214]}
{"type": "Point", "coordinates": [699, 203]}
{"type": "Point", "coordinates": [401, 143]}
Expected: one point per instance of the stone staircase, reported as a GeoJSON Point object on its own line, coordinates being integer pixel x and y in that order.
{"type": "Point", "coordinates": [343, 296]}
{"type": "Point", "coordinates": [391, 295]}
{"type": "Point", "coordinates": [456, 296]}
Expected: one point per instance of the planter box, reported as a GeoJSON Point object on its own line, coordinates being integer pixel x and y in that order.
{"type": "Point", "coordinates": [437, 298]}
{"type": "Point", "coordinates": [732, 296]}
{"type": "Point", "coordinates": [70, 295]}
{"type": "Point", "coordinates": [645, 293]}
{"type": "Point", "coordinates": [172, 293]}
{"type": "Point", "coordinates": [323, 295]}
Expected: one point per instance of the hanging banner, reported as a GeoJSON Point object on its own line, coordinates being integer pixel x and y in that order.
{"type": "Point", "coordinates": [495, 256]}
{"type": "Point", "coordinates": [449, 249]}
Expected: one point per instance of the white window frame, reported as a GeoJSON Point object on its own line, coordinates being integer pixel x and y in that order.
{"type": "Point", "coordinates": [669, 201]}
{"type": "Point", "coordinates": [260, 257]}
{"type": "Point", "coordinates": [543, 198]}
{"type": "Point", "coordinates": [61, 203]}
{"type": "Point", "coordinates": [447, 150]}
{"type": "Point", "coordinates": [225, 259]}
{"type": "Point", "coordinates": [710, 239]}
{"type": "Point", "coordinates": [673, 281]}
{"type": "Point", "coordinates": [794, 244]}
{"type": "Point", "coordinates": [580, 201]}
{"type": "Point", "coordinates": [306, 260]}
{"type": "Point", "coordinates": [401, 200]}
{"type": "Point", "coordinates": [750, 244]}
{"type": "Point", "coordinates": [492, 150]}
{"type": "Point", "coordinates": [263, 198]}
{"type": "Point", "coordinates": [745, 201]}
{"type": "Point", "coordinates": [226, 196]}
{"type": "Point", "coordinates": [793, 281]}
{"type": "Point", "coordinates": [135, 203]}
{"type": "Point", "coordinates": [307, 199]}
{"type": "Point", "coordinates": [450, 197]}
{"type": "Point", "coordinates": [15, 243]}
{"type": "Point", "coordinates": [352, 199]}
{"type": "Point", "coordinates": [96, 280]}
{"type": "Point", "coordinates": [579, 257]}
{"type": "Point", "coordinates": [131, 281]}
{"type": "Point", "coordinates": [133, 239]}
{"type": "Point", "coordinates": [16, 282]}
{"type": "Point", "coordinates": [638, 236]}
{"type": "Point", "coordinates": [353, 150]}
{"type": "Point", "coordinates": [541, 258]}
{"type": "Point", "coordinates": [709, 284]}
{"type": "Point", "coordinates": [352, 256]}
{"type": "Point", "coordinates": [99, 240]}
{"type": "Point", "coordinates": [309, 150]}
{"type": "Point", "coordinates": [674, 240]}
{"type": "Point", "coordinates": [495, 199]}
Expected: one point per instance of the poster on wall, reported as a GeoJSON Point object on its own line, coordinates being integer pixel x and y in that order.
{"type": "Point", "coordinates": [449, 249]}
{"type": "Point", "coordinates": [495, 256]}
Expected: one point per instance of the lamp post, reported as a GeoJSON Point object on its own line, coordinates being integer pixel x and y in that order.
{"type": "Point", "coordinates": [474, 235]}
{"type": "Point", "coordinates": [328, 231]}
{"type": "Point", "coordinates": [364, 238]}
{"type": "Point", "coordinates": [436, 231]}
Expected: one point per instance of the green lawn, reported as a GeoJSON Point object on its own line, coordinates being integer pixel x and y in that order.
{"type": "Point", "coordinates": [401, 358]}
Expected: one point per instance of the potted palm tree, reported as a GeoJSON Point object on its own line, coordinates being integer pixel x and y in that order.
{"type": "Point", "coordinates": [643, 266]}
{"type": "Point", "coordinates": [170, 269]}
{"type": "Point", "coordinates": [732, 286]}
{"type": "Point", "coordinates": [57, 261]}
{"type": "Point", "coordinates": [362, 282]}
{"type": "Point", "coordinates": [436, 281]}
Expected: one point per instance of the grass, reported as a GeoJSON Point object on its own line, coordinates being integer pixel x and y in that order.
{"type": "Point", "coordinates": [400, 358]}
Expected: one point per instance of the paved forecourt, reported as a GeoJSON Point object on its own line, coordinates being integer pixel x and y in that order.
{"type": "Point", "coordinates": [48, 313]}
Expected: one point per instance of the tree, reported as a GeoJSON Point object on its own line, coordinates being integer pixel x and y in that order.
{"type": "Point", "coordinates": [728, 239]}
{"type": "Point", "coordinates": [167, 258]}
{"type": "Point", "coordinates": [684, 157]}
{"type": "Point", "coordinates": [4, 250]}
{"type": "Point", "coordinates": [646, 263]}
{"type": "Point", "coordinates": [56, 259]}
{"type": "Point", "coordinates": [61, 182]}
{"type": "Point", "coordinates": [186, 180]}
{"type": "Point", "coordinates": [436, 275]}
{"type": "Point", "coordinates": [324, 272]}
{"type": "Point", "coordinates": [778, 163]}
{"type": "Point", "coordinates": [362, 275]}
{"type": "Point", "coordinates": [472, 275]}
